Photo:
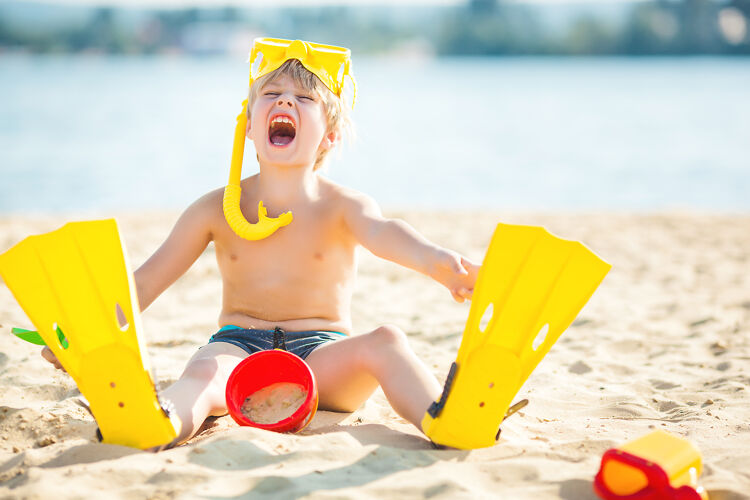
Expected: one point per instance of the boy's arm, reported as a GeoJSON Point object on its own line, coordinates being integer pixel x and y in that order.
{"type": "Point", "coordinates": [190, 235]}
{"type": "Point", "coordinates": [397, 241]}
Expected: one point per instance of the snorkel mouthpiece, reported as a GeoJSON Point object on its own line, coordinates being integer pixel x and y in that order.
{"type": "Point", "coordinates": [329, 63]}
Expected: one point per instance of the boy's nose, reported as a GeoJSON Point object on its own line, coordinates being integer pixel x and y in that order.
{"type": "Point", "coordinates": [283, 101]}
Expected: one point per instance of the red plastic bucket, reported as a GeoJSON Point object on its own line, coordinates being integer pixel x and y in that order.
{"type": "Point", "coordinates": [262, 369]}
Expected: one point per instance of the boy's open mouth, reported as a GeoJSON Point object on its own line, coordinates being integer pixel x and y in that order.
{"type": "Point", "coordinates": [281, 131]}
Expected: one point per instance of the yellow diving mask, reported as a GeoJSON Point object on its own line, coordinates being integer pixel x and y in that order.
{"type": "Point", "coordinates": [332, 65]}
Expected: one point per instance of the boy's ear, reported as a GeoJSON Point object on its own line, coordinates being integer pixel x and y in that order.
{"type": "Point", "coordinates": [331, 139]}
{"type": "Point", "coordinates": [247, 129]}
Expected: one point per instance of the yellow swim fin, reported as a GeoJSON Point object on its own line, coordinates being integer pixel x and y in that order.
{"type": "Point", "coordinates": [77, 279]}
{"type": "Point", "coordinates": [531, 285]}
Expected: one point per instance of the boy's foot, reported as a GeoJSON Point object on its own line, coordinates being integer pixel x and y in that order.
{"type": "Point", "coordinates": [48, 355]}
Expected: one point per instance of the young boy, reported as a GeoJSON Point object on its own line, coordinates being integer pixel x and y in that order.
{"type": "Point", "coordinates": [299, 279]}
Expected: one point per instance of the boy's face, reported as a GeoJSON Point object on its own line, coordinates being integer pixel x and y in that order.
{"type": "Point", "coordinates": [288, 124]}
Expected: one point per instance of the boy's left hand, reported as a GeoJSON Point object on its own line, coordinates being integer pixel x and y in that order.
{"type": "Point", "coordinates": [458, 274]}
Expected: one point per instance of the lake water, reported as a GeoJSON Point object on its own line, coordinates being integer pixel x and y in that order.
{"type": "Point", "coordinates": [99, 134]}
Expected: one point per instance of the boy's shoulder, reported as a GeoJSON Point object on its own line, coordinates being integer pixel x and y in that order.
{"type": "Point", "coordinates": [347, 198]}
{"type": "Point", "coordinates": [206, 211]}
{"type": "Point", "coordinates": [210, 203]}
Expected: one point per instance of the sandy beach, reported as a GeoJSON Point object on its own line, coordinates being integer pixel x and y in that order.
{"type": "Point", "coordinates": [663, 344]}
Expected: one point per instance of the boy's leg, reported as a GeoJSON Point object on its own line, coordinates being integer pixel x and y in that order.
{"type": "Point", "coordinates": [200, 391]}
{"type": "Point", "coordinates": [349, 370]}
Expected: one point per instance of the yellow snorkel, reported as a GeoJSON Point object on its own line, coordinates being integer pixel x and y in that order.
{"type": "Point", "coordinates": [265, 226]}
{"type": "Point", "coordinates": [329, 63]}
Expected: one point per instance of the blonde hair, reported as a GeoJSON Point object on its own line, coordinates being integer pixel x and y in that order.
{"type": "Point", "coordinates": [337, 113]}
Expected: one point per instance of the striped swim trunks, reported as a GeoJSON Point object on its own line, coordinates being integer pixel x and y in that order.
{"type": "Point", "coordinates": [252, 340]}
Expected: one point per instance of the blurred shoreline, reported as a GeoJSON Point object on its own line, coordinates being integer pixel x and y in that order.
{"type": "Point", "coordinates": [474, 27]}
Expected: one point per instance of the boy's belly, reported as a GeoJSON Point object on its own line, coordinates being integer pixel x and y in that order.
{"type": "Point", "coordinates": [296, 304]}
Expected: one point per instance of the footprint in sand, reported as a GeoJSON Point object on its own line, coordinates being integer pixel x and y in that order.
{"type": "Point", "coordinates": [579, 368]}
{"type": "Point", "coordinates": [665, 406]}
{"type": "Point", "coordinates": [625, 346]}
{"type": "Point", "coordinates": [582, 321]}
{"type": "Point", "coordinates": [662, 385]}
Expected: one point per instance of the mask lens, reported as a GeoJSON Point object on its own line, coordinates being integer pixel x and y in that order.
{"type": "Point", "coordinates": [255, 68]}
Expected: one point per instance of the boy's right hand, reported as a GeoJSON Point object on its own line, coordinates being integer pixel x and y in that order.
{"type": "Point", "coordinates": [458, 274]}
{"type": "Point", "coordinates": [50, 356]}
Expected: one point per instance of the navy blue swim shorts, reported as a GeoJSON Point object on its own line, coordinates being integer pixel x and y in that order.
{"type": "Point", "coordinates": [253, 340]}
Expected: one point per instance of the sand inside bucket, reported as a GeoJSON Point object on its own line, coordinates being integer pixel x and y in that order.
{"type": "Point", "coordinates": [274, 402]}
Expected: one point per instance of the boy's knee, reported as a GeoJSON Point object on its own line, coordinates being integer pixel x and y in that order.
{"type": "Point", "coordinates": [388, 336]}
{"type": "Point", "coordinates": [383, 343]}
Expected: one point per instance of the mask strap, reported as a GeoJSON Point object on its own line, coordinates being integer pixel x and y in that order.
{"type": "Point", "coordinates": [348, 89]}
{"type": "Point", "coordinates": [351, 98]}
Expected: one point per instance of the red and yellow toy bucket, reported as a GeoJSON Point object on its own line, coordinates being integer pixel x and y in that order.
{"type": "Point", "coordinates": [657, 466]}
{"type": "Point", "coordinates": [266, 368]}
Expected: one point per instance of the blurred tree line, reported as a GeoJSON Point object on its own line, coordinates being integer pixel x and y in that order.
{"type": "Point", "coordinates": [479, 27]}
{"type": "Point", "coordinates": [656, 27]}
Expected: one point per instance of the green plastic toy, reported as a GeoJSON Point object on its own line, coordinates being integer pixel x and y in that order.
{"type": "Point", "coordinates": [34, 337]}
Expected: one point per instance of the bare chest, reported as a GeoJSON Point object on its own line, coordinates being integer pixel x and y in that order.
{"type": "Point", "coordinates": [307, 263]}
